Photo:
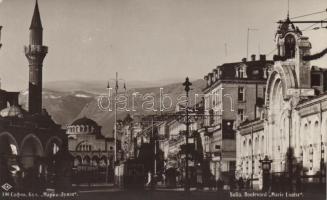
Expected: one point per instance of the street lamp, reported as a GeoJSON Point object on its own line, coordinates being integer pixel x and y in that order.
{"type": "Point", "coordinates": [0, 37]}
{"type": "Point", "coordinates": [115, 116]}
{"type": "Point", "coordinates": [115, 110]}
{"type": "Point", "coordinates": [266, 166]}
{"type": "Point", "coordinates": [187, 85]}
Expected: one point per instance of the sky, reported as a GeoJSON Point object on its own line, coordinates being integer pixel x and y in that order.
{"type": "Point", "coordinates": [146, 40]}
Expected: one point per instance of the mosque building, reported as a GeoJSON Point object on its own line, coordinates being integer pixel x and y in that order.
{"type": "Point", "coordinates": [30, 141]}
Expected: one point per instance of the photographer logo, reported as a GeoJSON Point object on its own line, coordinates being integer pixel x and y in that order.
{"type": "Point", "coordinates": [6, 187]}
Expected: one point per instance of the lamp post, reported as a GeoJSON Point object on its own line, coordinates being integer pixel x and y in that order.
{"type": "Point", "coordinates": [266, 166]}
{"type": "Point", "coordinates": [115, 110]}
{"type": "Point", "coordinates": [116, 80]}
{"type": "Point", "coordinates": [247, 40]}
{"type": "Point", "coordinates": [0, 37]}
{"type": "Point", "coordinates": [187, 85]}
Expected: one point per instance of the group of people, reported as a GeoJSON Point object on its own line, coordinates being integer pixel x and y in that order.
{"type": "Point", "coordinates": [231, 184]}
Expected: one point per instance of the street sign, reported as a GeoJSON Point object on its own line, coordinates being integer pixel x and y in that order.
{"type": "Point", "coordinates": [300, 92]}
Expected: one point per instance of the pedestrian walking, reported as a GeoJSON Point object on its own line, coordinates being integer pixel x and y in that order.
{"type": "Point", "coordinates": [220, 184]}
{"type": "Point", "coordinates": [247, 184]}
{"type": "Point", "coordinates": [240, 183]}
{"type": "Point", "coordinates": [212, 183]}
{"type": "Point", "coordinates": [231, 183]}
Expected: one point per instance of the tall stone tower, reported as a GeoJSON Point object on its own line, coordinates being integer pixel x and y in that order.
{"type": "Point", "coordinates": [291, 47]}
{"type": "Point", "coordinates": [35, 53]}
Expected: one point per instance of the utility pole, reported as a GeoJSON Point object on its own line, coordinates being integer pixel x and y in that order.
{"type": "Point", "coordinates": [155, 150]}
{"type": "Point", "coordinates": [0, 37]}
{"type": "Point", "coordinates": [252, 161]}
{"type": "Point", "coordinates": [187, 85]}
{"type": "Point", "coordinates": [247, 41]}
{"type": "Point", "coordinates": [115, 125]}
{"type": "Point", "coordinates": [252, 144]}
{"type": "Point", "coordinates": [115, 111]}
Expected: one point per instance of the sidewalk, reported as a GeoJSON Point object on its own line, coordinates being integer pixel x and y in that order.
{"type": "Point", "coordinates": [96, 187]}
{"type": "Point", "coordinates": [206, 189]}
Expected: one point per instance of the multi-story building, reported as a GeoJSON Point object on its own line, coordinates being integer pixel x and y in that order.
{"type": "Point", "coordinates": [167, 131]}
{"type": "Point", "coordinates": [234, 93]}
{"type": "Point", "coordinates": [292, 130]}
{"type": "Point", "coordinates": [130, 129]}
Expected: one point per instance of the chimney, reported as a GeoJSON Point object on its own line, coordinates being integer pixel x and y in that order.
{"type": "Point", "coordinates": [253, 57]}
{"type": "Point", "coordinates": [243, 59]}
{"type": "Point", "coordinates": [262, 57]}
{"type": "Point", "coordinates": [206, 78]}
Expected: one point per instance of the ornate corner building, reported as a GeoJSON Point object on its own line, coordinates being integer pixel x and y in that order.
{"type": "Point", "coordinates": [292, 129]}
{"type": "Point", "coordinates": [30, 139]}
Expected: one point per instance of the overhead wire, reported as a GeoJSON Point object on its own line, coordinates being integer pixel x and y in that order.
{"type": "Point", "coordinates": [309, 14]}
{"type": "Point", "coordinates": [305, 29]}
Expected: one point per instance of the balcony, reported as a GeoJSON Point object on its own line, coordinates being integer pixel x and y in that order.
{"type": "Point", "coordinates": [35, 49]}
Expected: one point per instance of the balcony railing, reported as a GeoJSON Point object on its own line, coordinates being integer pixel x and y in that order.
{"type": "Point", "coordinates": [34, 49]}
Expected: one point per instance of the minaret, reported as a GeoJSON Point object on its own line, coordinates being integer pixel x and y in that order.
{"type": "Point", "coordinates": [35, 53]}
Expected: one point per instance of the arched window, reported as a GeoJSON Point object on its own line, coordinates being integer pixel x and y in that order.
{"type": "Point", "coordinates": [13, 149]}
{"type": "Point", "coordinates": [55, 148]}
{"type": "Point", "coordinates": [289, 46]}
{"type": "Point", "coordinates": [218, 73]}
{"type": "Point", "coordinates": [316, 130]}
{"type": "Point", "coordinates": [250, 147]}
{"type": "Point", "coordinates": [244, 148]}
{"type": "Point", "coordinates": [241, 71]}
{"type": "Point", "coordinates": [311, 152]}
{"type": "Point", "coordinates": [256, 145]}
{"type": "Point", "coordinates": [266, 72]}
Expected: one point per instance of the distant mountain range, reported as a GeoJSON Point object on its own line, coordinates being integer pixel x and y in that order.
{"type": "Point", "coordinates": [62, 106]}
{"type": "Point", "coordinates": [100, 86]}
{"type": "Point", "coordinates": [68, 100]}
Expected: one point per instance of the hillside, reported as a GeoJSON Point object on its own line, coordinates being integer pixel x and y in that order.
{"type": "Point", "coordinates": [62, 106]}
{"type": "Point", "coordinates": [76, 100]}
{"type": "Point", "coordinates": [106, 118]}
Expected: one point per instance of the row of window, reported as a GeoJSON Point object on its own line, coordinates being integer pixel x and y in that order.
{"type": "Point", "coordinates": [82, 128]}
{"type": "Point", "coordinates": [84, 147]}
{"type": "Point", "coordinates": [241, 93]}
{"type": "Point", "coordinates": [240, 73]}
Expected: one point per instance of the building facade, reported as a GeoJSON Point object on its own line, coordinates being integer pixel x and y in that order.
{"type": "Point", "coordinates": [87, 144]}
{"type": "Point", "coordinates": [292, 128]}
{"type": "Point", "coordinates": [234, 93]}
